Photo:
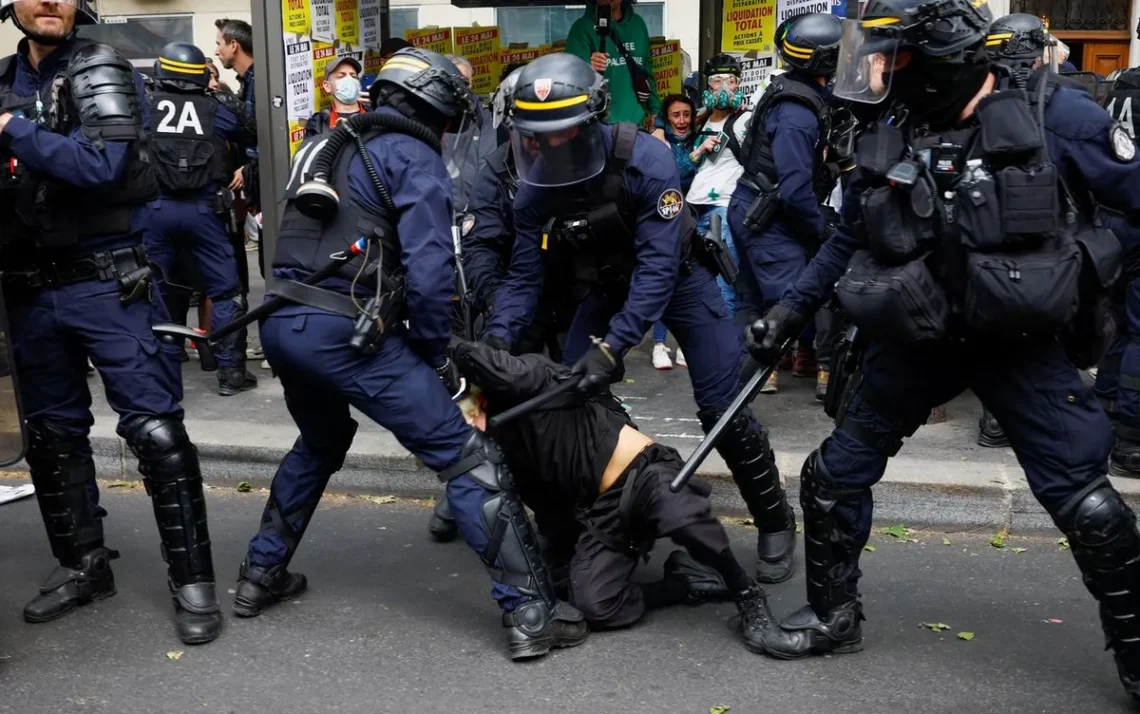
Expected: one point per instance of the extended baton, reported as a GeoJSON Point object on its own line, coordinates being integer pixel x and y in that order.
{"type": "Point", "coordinates": [534, 402]}
{"type": "Point", "coordinates": [207, 341]}
{"type": "Point", "coordinates": [743, 399]}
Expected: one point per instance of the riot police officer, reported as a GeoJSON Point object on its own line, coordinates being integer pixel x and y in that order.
{"type": "Point", "coordinates": [960, 257]}
{"type": "Point", "coordinates": [343, 341]}
{"type": "Point", "coordinates": [72, 208]}
{"type": "Point", "coordinates": [189, 130]}
{"type": "Point", "coordinates": [601, 206]}
{"type": "Point", "coordinates": [775, 211]}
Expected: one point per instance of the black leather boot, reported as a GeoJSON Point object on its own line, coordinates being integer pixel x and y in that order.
{"type": "Point", "coordinates": [703, 583]}
{"type": "Point", "coordinates": [68, 588]}
{"type": "Point", "coordinates": [1124, 460]}
{"type": "Point", "coordinates": [803, 633]}
{"type": "Point", "coordinates": [259, 588]}
{"type": "Point", "coordinates": [235, 381]}
{"type": "Point", "coordinates": [535, 628]}
{"type": "Point", "coordinates": [756, 619]}
{"type": "Point", "coordinates": [197, 616]}
{"type": "Point", "coordinates": [990, 433]}
{"type": "Point", "coordinates": [441, 525]}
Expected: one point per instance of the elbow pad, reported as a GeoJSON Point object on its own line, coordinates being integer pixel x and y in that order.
{"type": "Point", "coordinates": [103, 95]}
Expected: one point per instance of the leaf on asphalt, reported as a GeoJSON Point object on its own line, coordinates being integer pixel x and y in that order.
{"type": "Point", "coordinates": [719, 709]}
{"type": "Point", "coordinates": [630, 381]}
{"type": "Point", "coordinates": [1054, 620]}
{"type": "Point", "coordinates": [870, 548]}
{"type": "Point", "coordinates": [1018, 550]}
{"type": "Point", "coordinates": [1063, 543]}
{"type": "Point", "coordinates": [967, 636]}
{"type": "Point", "coordinates": [935, 626]}
{"type": "Point", "coordinates": [799, 528]}
{"type": "Point", "coordinates": [946, 541]}
{"type": "Point", "coordinates": [244, 487]}
{"type": "Point", "coordinates": [998, 541]}
{"type": "Point", "coordinates": [175, 655]}
{"type": "Point", "coordinates": [123, 484]}
{"type": "Point", "coordinates": [898, 531]}
{"type": "Point", "coordinates": [380, 500]}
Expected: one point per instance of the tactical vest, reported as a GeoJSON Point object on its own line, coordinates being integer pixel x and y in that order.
{"type": "Point", "coordinates": [305, 244]}
{"type": "Point", "coordinates": [759, 165]}
{"type": "Point", "coordinates": [186, 151]}
{"type": "Point", "coordinates": [971, 231]}
{"type": "Point", "coordinates": [44, 212]}
{"type": "Point", "coordinates": [1123, 101]}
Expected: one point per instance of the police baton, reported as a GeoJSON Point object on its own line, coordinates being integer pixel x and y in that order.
{"type": "Point", "coordinates": [743, 399]}
{"type": "Point", "coordinates": [206, 342]}
{"type": "Point", "coordinates": [534, 402]}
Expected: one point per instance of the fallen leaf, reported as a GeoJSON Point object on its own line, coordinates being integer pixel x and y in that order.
{"type": "Point", "coordinates": [244, 487]}
{"type": "Point", "coordinates": [945, 541]}
{"type": "Point", "coordinates": [964, 458]}
{"type": "Point", "coordinates": [870, 548]}
{"type": "Point", "coordinates": [935, 626]}
{"type": "Point", "coordinates": [799, 528]}
{"type": "Point", "coordinates": [1063, 543]}
{"type": "Point", "coordinates": [898, 531]}
{"type": "Point", "coordinates": [175, 655]}
{"type": "Point", "coordinates": [122, 484]}
{"type": "Point", "coordinates": [998, 541]}
{"type": "Point", "coordinates": [719, 709]}
{"type": "Point", "coordinates": [1018, 550]}
{"type": "Point", "coordinates": [381, 500]}
{"type": "Point", "coordinates": [630, 381]}
{"type": "Point", "coordinates": [967, 636]}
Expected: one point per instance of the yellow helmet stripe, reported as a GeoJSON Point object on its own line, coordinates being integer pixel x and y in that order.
{"type": "Point", "coordinates": [405, 63]}
{"type": "Point", "coordinates": [880, 21]}
{"type": "Point", "coordinates": [183, 65]}
{"type": "Point", "coordinates": [797, 51]}
{"type": "Point", "coordinates": [181, 68]}
{"type": "Point", "coordinates": [556, 104]}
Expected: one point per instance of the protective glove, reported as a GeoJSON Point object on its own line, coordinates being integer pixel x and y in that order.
{"type": "Point", "coordinates": [765, 338]}
{"type": "Point", "coordinates": [449, 374]}
{"type": "Point", "coordinates": [495, 342]}
{"type": "Point", "coordinates": [598, 368]}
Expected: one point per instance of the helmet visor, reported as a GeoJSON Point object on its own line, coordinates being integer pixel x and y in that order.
{"type": "Point", "coordinates": [559, 158]}
{"type": "Point", "coordinates": [867, 56]}
{"type": "Point", "coordinates": [460, 154]}
{"type": "Point", "coordinates": [1051, 58]}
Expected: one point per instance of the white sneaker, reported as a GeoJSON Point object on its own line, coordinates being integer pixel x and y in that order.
{"type": "Point", "coordinates": [265, 364]}
{"type": "Point", "coordinates": [661, 357]}
{"type": "Point", "coordinates": [681, 358]}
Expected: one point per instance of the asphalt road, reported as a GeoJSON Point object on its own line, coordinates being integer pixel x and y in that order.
{"type": "Point", "coordinates": [394, 623]}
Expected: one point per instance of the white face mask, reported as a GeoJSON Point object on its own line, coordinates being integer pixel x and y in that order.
{"type": "Point", "coordinates": [347, 90]}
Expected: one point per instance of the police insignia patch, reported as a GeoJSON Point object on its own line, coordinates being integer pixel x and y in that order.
{"type": "Point", "coordinates": [1123, 147]}
{"type": "Point", "coordinates": [542, 88]}
{"type": "Point", "coordinates": [670, 204]}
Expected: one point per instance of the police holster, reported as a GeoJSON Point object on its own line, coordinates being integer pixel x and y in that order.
{"type": "Point", "coordinates": [847, 355]}
{"type": "Point", "coordinates": [763, 208]}
{"type": "Point", "coordinates": [224, 209]}
{"type": "Point", "coordinates": [717, 251]}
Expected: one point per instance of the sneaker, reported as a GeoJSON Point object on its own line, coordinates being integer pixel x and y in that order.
{"type": "Point", "coordinates": [661, 357]}
{"type": "Point", "coordinates": [254, 352]}
{"type": "Point", "coordinates": [265, 364]}
{"type": "Point", "coordinates": [681, 359]}
{"type": "Point", "coordinates": [770, 386]}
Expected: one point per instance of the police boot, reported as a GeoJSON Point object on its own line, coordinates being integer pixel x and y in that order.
{"type": "Point", "coordinates": [197, 616]}
{"type": "Point", "coordinates": [233, 381]}
{"type": "Point", "coordinates": [990, 433]}
{"type": "Point", "coordinates": [70, 587]}
{"type": "Point", "coordinates": [756, 619]}
{"type": "Point", "coordinates": [535, 628]}
{"type": "Point", "coordinates": [749, 457]}
{"type": "Point", "coordinates": [1125, 457]}
{"type": "Point", "coordinates": [830, 622]}
{"type": "Point", "coordinates": [441, 525]}
{"type": "Point", "coordinates": [259, 587]}
{"type": "Point", "coordinates": [703, 583]}
{"type": "Point", "coordinates": [1102, 536]}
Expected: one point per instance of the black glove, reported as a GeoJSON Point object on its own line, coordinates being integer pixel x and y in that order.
{"type": "Point", "coordinates": [449, 375]}
{"type": "Point", "coordinates": [599, 368]}
{"type": "Point", "coordinates": [495, 342]}
{"type": "Point", "coordinates": [765, 338]}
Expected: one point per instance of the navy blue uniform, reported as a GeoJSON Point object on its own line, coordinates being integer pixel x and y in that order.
{"type": "Point", "coordinates": [1054, 424]}
{"type": "Point", "coordinates": [192, 220]}
{"type": "Point", "coordinates": [1118, 380]}
{"type": "Point", "coordinates": [397, 387]}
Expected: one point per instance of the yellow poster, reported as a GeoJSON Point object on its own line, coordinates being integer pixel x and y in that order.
{"type": "Point", "coordinates": [347, 22]}
{"type": "Point", "coordinates": [666, 58]}
{"type": "Point", "coordinates": [295, 16]}
{"type": "Point", "coordinates": [748, 25]}
{"type": "Point", "coordinates": [296, 136]}
{"type": "Point", "coordinates": [515, 53]}
{"type": "Point", "coordinates": [323, 53]}
{"type": "Point", "coordinates": [480, 45]}
{"type": "Point", "coordinates": [371, 62]}
{"type": "Point", "coordinates": [436, 39]}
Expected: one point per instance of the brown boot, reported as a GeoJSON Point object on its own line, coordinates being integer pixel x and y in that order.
{"type": "Point", "coordinates": [805, 364]}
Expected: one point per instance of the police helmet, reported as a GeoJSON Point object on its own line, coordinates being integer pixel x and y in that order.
{"type": "Point", "coordinates": [182, 62]}
{"type": "Point", "coordinates": [810, 43]}
{"type": "Point", "coordinates": [1018, 39]}
{"type": "Point", "coordinates": [556, 112]}
{"type": "Point", "coordinates": [431, 78]}
{"type": "Point", "coordinates": [501, 99]}
{"type": "Point", "coordinates": [85, 11]}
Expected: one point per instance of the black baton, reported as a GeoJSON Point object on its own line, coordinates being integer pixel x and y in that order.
{"type": "Point", "coordinates": [534, 402]}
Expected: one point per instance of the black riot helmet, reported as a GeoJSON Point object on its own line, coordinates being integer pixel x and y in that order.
{"type": "Point", "coordinates": [432, 79]}
{"type": "Point", "coordinates": [722, 64]}
{"type": "Point", "coordinates": [1018, 40]}
{"type": "Point", "coordinates": [556, 112]}
{"type": "Point", "coordinates": [85, 14]}
{"type": "Point", "coordinates": [182, 62]}
{"type": "Point", "coordinates": [810, 43]}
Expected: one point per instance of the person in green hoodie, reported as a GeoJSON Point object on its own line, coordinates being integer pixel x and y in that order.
{"type": "Point", "coordinates": [603, 54]}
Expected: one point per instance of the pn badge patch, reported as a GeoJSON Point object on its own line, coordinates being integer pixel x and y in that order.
{"type": "Point", "coordinates": [670, 204]}
{"type": "Point", "coordinates": [1123, 146]}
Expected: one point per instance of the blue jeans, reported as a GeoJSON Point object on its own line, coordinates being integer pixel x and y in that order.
{"type": "Point", "coordinates": [704, 218]}
{"type": "Point", "coordinates": [659, 332]}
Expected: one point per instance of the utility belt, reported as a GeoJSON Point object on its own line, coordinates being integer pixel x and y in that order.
{"type": "Point", "coordinates": [128, 267]}
{"type": "Point", "coordinates": [374, 317]}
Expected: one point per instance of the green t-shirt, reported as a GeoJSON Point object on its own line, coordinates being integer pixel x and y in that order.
{"type": "Point", "coordinates": [582, 41]}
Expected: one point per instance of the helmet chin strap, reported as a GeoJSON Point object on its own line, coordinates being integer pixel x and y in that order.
{"type": "Point", "coordinates": [38, 38]}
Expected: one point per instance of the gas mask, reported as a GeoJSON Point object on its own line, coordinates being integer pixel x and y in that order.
{"type": "Point", "coordinates": [722, 98]}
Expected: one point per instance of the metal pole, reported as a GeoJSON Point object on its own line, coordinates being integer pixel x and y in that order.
{"type": "Point", "coordinates": [385, 21]}
{"type": "Point", "coordinates": [711, 19]}
{"type": "Point", "coordinates": [272, 118]}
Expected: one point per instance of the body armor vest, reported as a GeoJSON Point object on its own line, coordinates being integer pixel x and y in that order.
{"type": "Point", "coordinates": [759, 166]}
{"type": "Point", "coordinates": [42, 211]}
{"type": "Point", "coordinates": [188, 154]}
{"type": "Point", "coordinates": [971, 231]}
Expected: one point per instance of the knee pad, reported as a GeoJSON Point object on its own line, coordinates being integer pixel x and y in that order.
{"type": "Point", "coordinates": [481, 460]}
{"type": "Point", "coordinates": [1097, 518]}
{"type": "Point", "coordinates": [818, 489]}
{"type": "Point", "coordinates": [163, 448]}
